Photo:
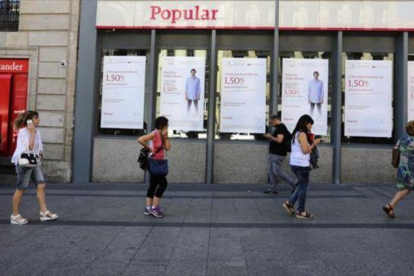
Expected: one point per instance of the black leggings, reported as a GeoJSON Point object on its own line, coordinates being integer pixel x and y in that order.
{"type": "Point", "coordinates": [158, 185]}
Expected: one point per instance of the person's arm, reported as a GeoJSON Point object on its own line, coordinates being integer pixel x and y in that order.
{"type": "Point", "coordinates": [309, 92]}
{"type": "Point", "coordinates": [167, 144]}
{"type": "Point", "coordinates": [277, 139]}
{"type": "Point", "coordinates": [32, 136]}
{"type": "Point", "coordinates": [143, 140]}
{"type": "Point", "coordinates": [186, 89]}
{"type": "Point", "coordinates": [198, 90]}
{"type": "Point", "coordinates": [304, 145]}
{"type": "Point", "coordinates": [322, 92]}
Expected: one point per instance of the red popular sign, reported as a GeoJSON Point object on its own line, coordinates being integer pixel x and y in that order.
{"type": "Point", "coordinates": [14, 65]}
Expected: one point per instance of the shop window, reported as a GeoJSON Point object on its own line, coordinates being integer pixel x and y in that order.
{"type": "Point", "coordinates": [182, 95]}
{"type": "Point", "coordinates": [124, 131]}
{"type": "Point", "coordinates": [9, 15]}
{"type": "Point", "coordinates": [365, 82]}
{"type": "Point", "coordinates": [241, 54]}
{"type": "Point", "coordinates": [328, 93]}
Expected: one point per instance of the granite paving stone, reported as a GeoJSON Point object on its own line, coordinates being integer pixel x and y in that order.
{"type": "Point", "coordinates": [214, 230]}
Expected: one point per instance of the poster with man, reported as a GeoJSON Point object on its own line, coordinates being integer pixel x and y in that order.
{"type": "Point", "coordinates": [305, 91]}
{"type": "Point", "coordinates": [182, 92]}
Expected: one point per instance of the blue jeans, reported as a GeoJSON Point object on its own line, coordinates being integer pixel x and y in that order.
{"type": "Point", "coordinates": [302, 174]}
{"type": "Point", "coordinates": [24, 175]}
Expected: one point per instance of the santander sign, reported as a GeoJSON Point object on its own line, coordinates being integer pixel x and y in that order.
{"type": "Point", "coordinates": [175, 15]}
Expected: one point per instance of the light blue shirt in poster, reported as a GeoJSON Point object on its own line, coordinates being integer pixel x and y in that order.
{"type": "Point", "coordinates": [193, 88]}
{"type": "Point", "coordinates": [315, 91]}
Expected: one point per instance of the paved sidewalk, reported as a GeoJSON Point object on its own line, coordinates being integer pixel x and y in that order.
{"type": "Point", "coordinates": [208, 230]}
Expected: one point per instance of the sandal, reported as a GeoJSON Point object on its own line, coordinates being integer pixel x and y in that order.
{"type": "Point", "coordinates": [46, 216]}
{"type": "Point", "coordinates": [289, 208]}
{"type": "Point", "coordinates": [304, 215]}
{"type": "Point", "coordinates": [389, 210]}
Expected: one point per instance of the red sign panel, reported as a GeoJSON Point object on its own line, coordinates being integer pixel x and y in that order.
{"type": "Point", "coordinates": [14, 65]}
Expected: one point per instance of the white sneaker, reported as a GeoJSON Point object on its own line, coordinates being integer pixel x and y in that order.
{"type": "Point", "coordinates": [48, 216]}
{"type": "Point", "coordinates": [18, 220]}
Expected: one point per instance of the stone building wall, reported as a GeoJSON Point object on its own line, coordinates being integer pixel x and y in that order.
{"type": "Point", "coordinates": [48, 34]}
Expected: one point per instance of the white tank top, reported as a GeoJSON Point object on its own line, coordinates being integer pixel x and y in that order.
{"type": "Point", "coordinates": [297, 157]}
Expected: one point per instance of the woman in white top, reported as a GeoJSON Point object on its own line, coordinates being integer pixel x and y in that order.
{"type": "Point", "coordinates": [300, 165]}
{"type": "Point", "coordinates": [29, 140]}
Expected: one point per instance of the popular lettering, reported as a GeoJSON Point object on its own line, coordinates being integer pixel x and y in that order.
{"type": "Point", "coordinates": [174, 15]}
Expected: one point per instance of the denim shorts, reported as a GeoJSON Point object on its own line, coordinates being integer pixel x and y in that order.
{"type": "Point", "coordinates": [25, 174]}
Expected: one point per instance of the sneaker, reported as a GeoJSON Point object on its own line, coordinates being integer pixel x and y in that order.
{"type": "Point", "coordinates": [18, 220]}
{"type": "Point", "coordinates": [146, 211]}
{"type": "Point", "coordinates": [46, 216]}
{"type": "Point", "coordinates": [156, 212]}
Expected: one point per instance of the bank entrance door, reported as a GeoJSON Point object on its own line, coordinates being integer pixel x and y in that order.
{"type": "Point", "coordinates": [13, 100]}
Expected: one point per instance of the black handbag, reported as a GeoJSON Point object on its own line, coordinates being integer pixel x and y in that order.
{"type": "Point", "coordinates": [29, 160]}
{"type": "Point", "coordinates": [144, 156]}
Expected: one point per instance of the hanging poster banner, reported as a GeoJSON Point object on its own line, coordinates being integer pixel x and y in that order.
{"type": "Point", "coordinates": [305, 91]}
{"type": "Point", "coordinates": [368, 98]}
{"type": "Point", "coordinates": [123, 92]}
{"type": "Point", "coordinates": [243, 95]}
{"type": "Point", "coordinates": [182, 92]}
{"type": "Point", "coordinates": [410, 101]}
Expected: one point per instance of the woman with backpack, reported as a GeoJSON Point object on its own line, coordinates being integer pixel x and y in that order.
{"type": "Point", "coordinates": [300, 165]}
{"type": "Point", "coordinates": [29, 141]}
{"type": "Point", "coordinates": [156, 142]}
{"type": "Point", "coordinates": [405, 179]}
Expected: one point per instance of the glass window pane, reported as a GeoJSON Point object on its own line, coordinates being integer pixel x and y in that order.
{"type": "Point", "coordinates": [365, 56]}
{"type": "Point", "coordinates": [201, 106]}
{"type": "Point", "coordinates": [309, 55]}
{"type": "Point", "coordinates": [126, 132]}
{"type": "Point", "coordinates": [241, 54]}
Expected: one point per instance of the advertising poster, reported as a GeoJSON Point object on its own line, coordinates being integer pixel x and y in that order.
{"type": "Point", "coordinates": [182, 92]}
{"type": "Point", "coordinates": [305, 91]}
{"type": "Point", "coordinates": [410, 90]}
{"type": "Point", "coordinates": [243, 95]}
{"type": "Point", "coordinates": [368, 98]}
{"type": "Point", "coordinates": [123, 92]}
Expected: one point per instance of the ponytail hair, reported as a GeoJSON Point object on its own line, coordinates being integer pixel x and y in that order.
{"type": "Point", "coordinates": [21, 120]}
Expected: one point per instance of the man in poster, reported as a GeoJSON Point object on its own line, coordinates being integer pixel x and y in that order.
{"type": "Point", "coordinates": [192, 91]}
{"type": "Point", "coordinates": [315, 94]}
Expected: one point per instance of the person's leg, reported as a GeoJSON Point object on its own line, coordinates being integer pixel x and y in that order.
{"type": "Point", "coordinates": [162, 186]}
{"type": "Point", "coordinates": [279, 173]}
{"type": "Point", "coordinates": [320, 109]}
{"type": "Point", "coordinates": [272, 176]}
{"type": "Point", "coordinates": [196, 106]}
{"type": "Point", "coordinates": [312, 108]}
{"type": "Point", "coordinates": [303, 176]}
{"type": "Point", "coordinates": [41, 197]}
{"type": "Point", "coordinates": [398, 196]}
{"type": "Point", "coordinates": [151, 190]}
{"type": "Point", "coordinates": [23, 178]}
{"type": "Point", "coordinates": [17, 198]}
{"type": "Point", "coordinates": [294, 196]}
{"type": "Point", "coordinates": [188, 105]}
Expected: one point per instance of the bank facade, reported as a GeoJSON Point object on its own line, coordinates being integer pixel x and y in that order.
{"type": "Point", "coordinates": [79, 149]}
{"type": "Point", "coordinates": [38, 54]}
{"type": "Point", "coordinates": [274, 30]}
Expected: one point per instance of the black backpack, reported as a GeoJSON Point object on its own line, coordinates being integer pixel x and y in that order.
{"type": "Point", "coordinates": [287, 141]}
